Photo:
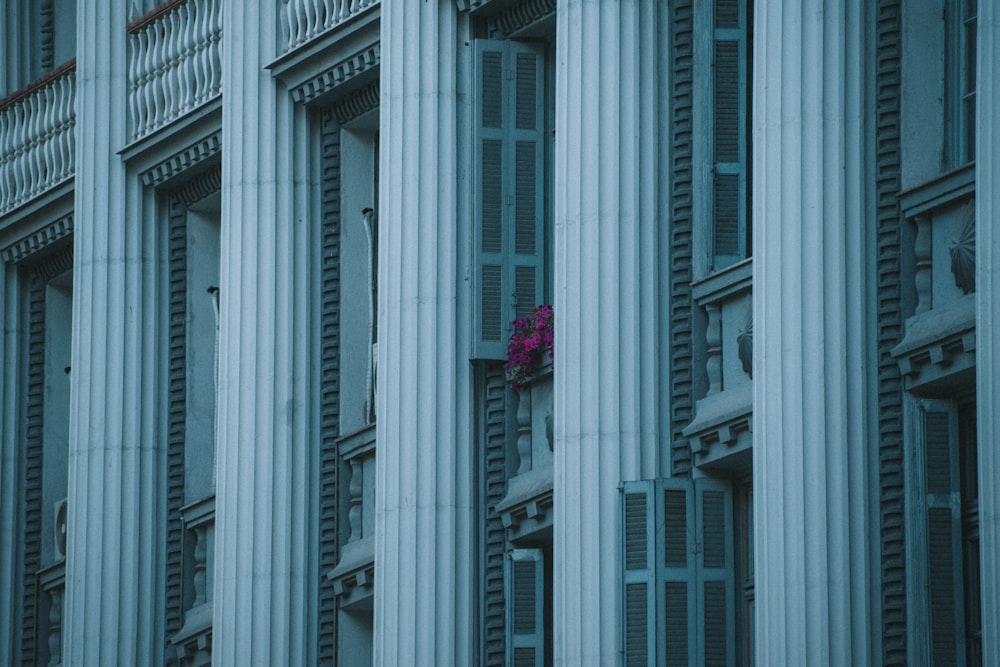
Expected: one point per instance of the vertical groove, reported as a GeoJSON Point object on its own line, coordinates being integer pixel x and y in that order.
{"type": "Point", "coordinates": [890, 386]}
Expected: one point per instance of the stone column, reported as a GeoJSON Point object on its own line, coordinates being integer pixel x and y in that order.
{"type": "Point", "coordinates": [988, 320]}
{"type": "Point", "coordinates": [425, 550]}
{"type": "Point", "coordinates": [114, 560]}
{"type": "Point", "coordinates": [812, 368]}
{"type": "Point", "coordinates": [607, 290]}
{"type": "Point", "coordinates": [265, 571]}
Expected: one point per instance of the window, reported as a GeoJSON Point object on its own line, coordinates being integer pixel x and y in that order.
{"type": "Point", "coordinates": [961, 81]}
{"type": "Point", "coordinates": [943, 595]}
{"type": "Point", "coordinates": [730, 133]}
{"type": "Point", "coordinates": [510, 189]}
{"type": "Point", "coordinates": [678, 572]}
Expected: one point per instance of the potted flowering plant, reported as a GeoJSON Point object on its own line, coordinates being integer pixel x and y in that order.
{"type": "Point", "coordinates": [528, 347]}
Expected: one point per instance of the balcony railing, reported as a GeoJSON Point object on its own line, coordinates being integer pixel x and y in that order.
{"type": "Point", "coordinates": [940, 337]}
{"type": "Point", "coordinates": [304, 19]}
{"type": "Point", "coordinates": [353, 577]}
{"type": "Point", "coordinates": [194, 642]}
{"type": "Point", "coordinates": [174, 63]}
{"type": "Point", "coordinates": [52, 586]}
{"type": "Point", "coordinates": [37, 141]}
{"type": "Point", "coordinates": [526, 509]}
{"type": "Point", "coordinates": [720, 433]}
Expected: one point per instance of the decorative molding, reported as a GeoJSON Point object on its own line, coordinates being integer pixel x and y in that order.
{"type": "Point", "coordinates": [47, 30]}
{"type": "Point", "coordinates": [681, 248]}
{"type": "Point", "coordinates": [963, 252]}
{"type": "Point", "coordinates": [357, 103]}
{"type": "Point", "coordinates": [347, 69]}
{"type": "Point", "coordinates": [329, 380]}
{"type": "Point", "coordinates": [183, 160]}
{"type": "Point", "coordinates": [54, 264]}
{"type": "Point", "coordinates": [744, 341]}
{"type": "Point", "coordinates": [494, 462]}
{"type": "Point", "coordinates": [521, 15]}
{"type": "Point", "coordinates": [43, 238]}
{"type": "Point", "coordinates": [200, 187]}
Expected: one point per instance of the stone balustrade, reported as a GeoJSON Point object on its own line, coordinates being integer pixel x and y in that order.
{"type": "Point", "coordinates": [37, 140]}
{"type": "Point", "coordinates": [526, 508]}
{"type": "Point", "coordinates": [939, 340]}
{"type": "Point", "coordinates": [194, 641]}
{"type": "Point", "coordinates": [720, 433]}
{"type": "Point", "coordinates": [302, 20]}
{"type": "Point", "coordinates": [52, 586]}
{"type": "Point", "coordinates": [174, 63]}
{"type": "Point", "coordinates": [353, 577]}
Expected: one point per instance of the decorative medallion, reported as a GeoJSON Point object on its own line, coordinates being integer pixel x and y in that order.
{"type": "Point", "coordinates": [963, 253]}
{"type": "Point", "coordinates": [744, 341]}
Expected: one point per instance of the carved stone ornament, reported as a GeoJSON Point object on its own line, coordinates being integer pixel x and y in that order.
{"type": "Point", "coordinates": [744, 341]}
{"type": "Point", "coordinates": [963, 253]}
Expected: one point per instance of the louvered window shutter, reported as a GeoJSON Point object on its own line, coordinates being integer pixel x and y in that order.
{"type": "Point", "coordinates": [525, 587]}
{"type": "Point", "coordinates": [938, 436]}
{"type": "Point", "coordinates": [716, 621]}
{"type": "Point", "coordinates": [639, 580]}
{"type": "Point", "coordinates": [509, 190]}
{"type": "Point", "coordinates": [730, 135]}
{"type": "Point", "coordinates": [679, 581]}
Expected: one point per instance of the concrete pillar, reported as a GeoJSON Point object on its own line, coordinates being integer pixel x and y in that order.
{"type": "Point", "coordinates": [266, 575]}
{"type": "Point", "coordinates": [425, 551]}
{"type": "Point", "coordinates": [811, 458]}
{"type": "Point", "coordinates": [113, 612]}
{"type": "Point", "coordinates": [607, 290]}
{"type": "Point", "coordinates": [988, 320]}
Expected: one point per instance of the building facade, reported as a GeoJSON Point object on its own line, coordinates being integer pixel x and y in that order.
{"type": "Point", "coordinates": [260, 264]}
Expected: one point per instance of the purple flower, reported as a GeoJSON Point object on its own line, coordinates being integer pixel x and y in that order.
{"type": "Point", "coordinates": [533, 336]}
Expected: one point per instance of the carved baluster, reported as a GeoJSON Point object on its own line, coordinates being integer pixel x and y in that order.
{"type": "Point", "coordinates": [356, 489]}
{"type": "Point", "coordinates": [524, 431]}
{"type": "Point", "coordinates": [713, 349]}
{"type": "Point", "coordinates": [200, 564]}
{"type": "Point", "coordinates": [922, 255]}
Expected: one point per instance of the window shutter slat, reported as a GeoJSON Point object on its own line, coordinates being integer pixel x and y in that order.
{"type": "Point", "coordinates": [679, 570]}
{"type": "Point", "coordinates": [716, 620]}
{"type": "Point", "coordinates": [526, 613]}
{"type": "Point", "coordinates": [727, 101]}
{"type": "Point", "coordinates": [639, 560]}
{"type": "Point", "coordinates": [939, 434]}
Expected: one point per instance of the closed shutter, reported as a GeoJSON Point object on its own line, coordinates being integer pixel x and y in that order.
{"type": "Point", "coordinates": [679, 583]}
{"type": "Point", "coordinates": [730, 136]}
{"type": "Point", "coordinates": [938, 437]}
{"type": "Point", "coordinates": [525, 586]}
{"type": "Point", "coordinates": [639, 580]}
{"type": "Point", "coordinates": [509, 190]}
{"type": "Point", "coordinates": [716, 572]}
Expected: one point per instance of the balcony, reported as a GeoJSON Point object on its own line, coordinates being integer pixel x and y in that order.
{"type": "Point", "coordinates": [174, 63]}
{"type": "Point", "coordinates": [526, 509]}
{"type": "Point", "coordinates": [303, 20]}
{"type": "Point", "coordinates": [939, 342]}
{"type": "Point", "coordinates": [194, 641]}
{"type": "Point", "coordinates": [37, 139]}
{"type": "Point", "coordinates": [721, 431]}
{"type": "Point", "coordinates": [354, 576]}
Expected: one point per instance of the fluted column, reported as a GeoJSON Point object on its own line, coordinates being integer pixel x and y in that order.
{"type": "Point", "coordinates": [988, 320]}
{"type": "Point", "coordinates": [812, 368]}
{"type": "Point", "coordinates": [607, 283]}
{"type": "Point", "coordinates": [425, 551]}
{"type": "Point", "coordinates": [265, 571]}
{"type": "Point", "coordinates": [114, 550]}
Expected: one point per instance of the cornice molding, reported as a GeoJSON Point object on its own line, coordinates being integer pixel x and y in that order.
{"type": "Point", "coordinates": [357, 103]}
{"type": "Point", "coordinates": [345, 70]}
{"type": "Point", "coordinates": [521, 15]}
{"type": "Point", "coordinates": [200, 187]}
{"type": "Point", "coordinates": [42, 238]}
{"type": "Point", "coordinates": [55, 264]}
{"type": "Point", "coordinates": [183, 160]}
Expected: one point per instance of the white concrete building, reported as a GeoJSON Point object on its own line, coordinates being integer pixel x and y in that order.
{"type": "Point", "coordinates": [259, 264]}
